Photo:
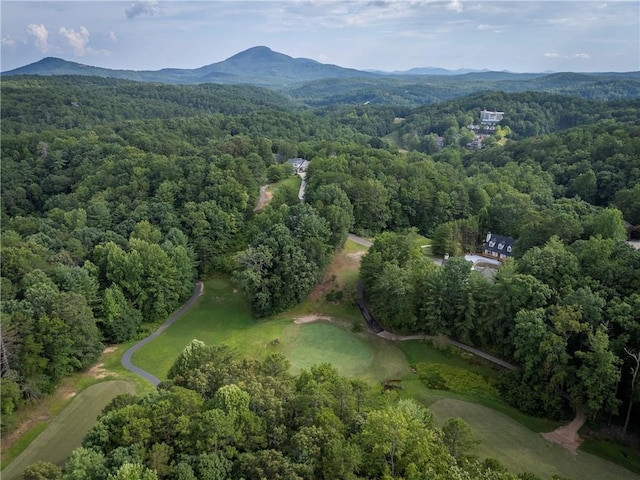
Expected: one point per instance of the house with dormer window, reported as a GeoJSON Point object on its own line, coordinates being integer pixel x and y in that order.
{"type": "Point", "coordinates": [498, 246]}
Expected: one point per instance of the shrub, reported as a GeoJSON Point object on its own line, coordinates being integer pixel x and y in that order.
{"type": "Point", "coordinates": [459, 380]}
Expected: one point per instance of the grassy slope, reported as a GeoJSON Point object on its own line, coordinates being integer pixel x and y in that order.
{"type": "Point", "coordinates": [520, 449]}
{"type": "Point", "coordinates": [66, 430]}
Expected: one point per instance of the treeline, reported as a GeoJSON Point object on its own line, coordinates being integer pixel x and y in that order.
{"type": "Point", "coordinates": [218, 417]}
{"type": "Point", "coordinates": [289, 247]}
{"type": "Point", "coordinates": [568, 315]}
{"type": "Point", "coordinates": [34, 103]}
{"type": "Point", "coordinates": [530, 189]}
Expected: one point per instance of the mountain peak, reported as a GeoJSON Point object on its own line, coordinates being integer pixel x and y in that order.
{"type": "Point", "coordinates": [258, 54]}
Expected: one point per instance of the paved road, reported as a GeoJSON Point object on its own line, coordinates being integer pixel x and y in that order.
{"type": "Point", "coordinates": [126, 358]}
{"type": "Point", "coordinates": [455, 343]}
{"type": "Point", "coordinates": [360, 240]}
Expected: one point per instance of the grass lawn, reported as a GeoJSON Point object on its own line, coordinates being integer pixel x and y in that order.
{"type": "Point", "coordinates": [223, 316]}
{"type": "Point", "coordinates": [361, 355]}
{"type": "Point", "coordinates": [220, 316]}
{"type": "Point", "coordinates": [519, 449]}
{"type": "Point", "coordinates": [66, 430]}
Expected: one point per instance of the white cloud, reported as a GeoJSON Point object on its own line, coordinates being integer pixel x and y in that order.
{"type": "Point", "coordinates": [79, 41]}
{"type": "Point", "coordinates": [112, 36]}
{"type": "Point", "coordinates": [40, 35]}
{"type": "Point", "coordinates": [455, 5]}
{"type": "Point", "coordinates": [575, 55]}
{"type": "Point", "coordinates": [7, 41]}
{"type": "Point", "coordinates": [138, 9]}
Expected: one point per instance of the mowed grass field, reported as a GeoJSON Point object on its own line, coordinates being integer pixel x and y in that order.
{"type": "Point", "coordinates": [522, 450]}
{"type": "Point", "coordinates": [222, 317]}
{"type": "Point", "coordinates": [67, 429]}
{"type": "Point", "coordinates": [362, 355]}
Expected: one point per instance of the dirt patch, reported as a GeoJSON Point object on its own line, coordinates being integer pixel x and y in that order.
{"type": "Point", "coordinates": [263, 200]}
{"type": "Point", "coordinates": [311, 318]}
{"type": "Point", "coordinates": [98, 371]}
{"type": "Point", "coordinates": [567, 435]}
{"type": "Point", "coordinates": [570, 443]}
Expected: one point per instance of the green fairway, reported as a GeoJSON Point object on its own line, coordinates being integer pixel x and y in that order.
{"type": "Point", "coordinates": [222, 316]}
{"type": "Point", "coordinates": [308, 345]}
{"type": "Point", "coordinates": [360, 355]}
{"type": "Point", "coordinates": [519, 449]}
{"type": "Point", "coordinates": [67, 429]}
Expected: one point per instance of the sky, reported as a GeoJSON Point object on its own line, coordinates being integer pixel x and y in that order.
{"type": "Point", "coordinates": [391, 35]}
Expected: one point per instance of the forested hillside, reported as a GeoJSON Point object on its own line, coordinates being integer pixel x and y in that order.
{"type": "Point", "coordinates": [116, 196]}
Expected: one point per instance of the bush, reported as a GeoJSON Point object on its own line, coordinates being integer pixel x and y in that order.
{"type": "Point", "coordinates": [459, 380]}
{"type": "Point", "coordinates": [334, 296]}
{"type": "Point", "coordinates": [431, 377]}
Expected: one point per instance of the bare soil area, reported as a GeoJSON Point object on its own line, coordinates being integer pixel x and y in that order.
{"type": "Point", "coordinates": [311, 318]}
{"type": "Point", "coordinates": [567, 435]}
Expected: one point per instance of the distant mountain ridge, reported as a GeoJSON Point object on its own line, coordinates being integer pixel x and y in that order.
{"type": "Point", "coordinates": [257, 65]}
{"type": "Point", "coordinates": [321, 83]}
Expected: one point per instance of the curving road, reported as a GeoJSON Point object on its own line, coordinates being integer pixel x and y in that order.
{"type": "Point", "coordinates": [126, 358]}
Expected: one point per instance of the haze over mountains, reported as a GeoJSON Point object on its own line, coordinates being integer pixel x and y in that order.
{"type": "Point", "coordinates": [316, 83]}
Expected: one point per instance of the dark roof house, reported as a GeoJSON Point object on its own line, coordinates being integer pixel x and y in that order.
{"type": "Point", "coordinates": [498, 246]}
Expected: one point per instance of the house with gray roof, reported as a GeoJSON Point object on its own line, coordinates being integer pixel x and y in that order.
{"type": "Point", "coordinates": [498, 246]}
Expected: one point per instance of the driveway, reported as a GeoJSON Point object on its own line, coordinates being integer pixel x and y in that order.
{"type": "Point", "coordinates": [126, 358]}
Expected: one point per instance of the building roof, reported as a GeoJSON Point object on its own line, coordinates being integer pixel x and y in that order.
{"type": "Point", "coordinates": [499, 244]}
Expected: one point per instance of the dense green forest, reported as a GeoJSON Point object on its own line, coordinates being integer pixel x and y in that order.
{"type": "Point", "coordinates": [117, 195]}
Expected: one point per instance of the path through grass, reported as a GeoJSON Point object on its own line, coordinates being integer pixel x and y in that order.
{"type": "Point", "coordinates": [66, 430]}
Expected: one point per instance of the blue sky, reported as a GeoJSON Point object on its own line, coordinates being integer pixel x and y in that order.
{"type": "Point", "coordinates": [514, 35]}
